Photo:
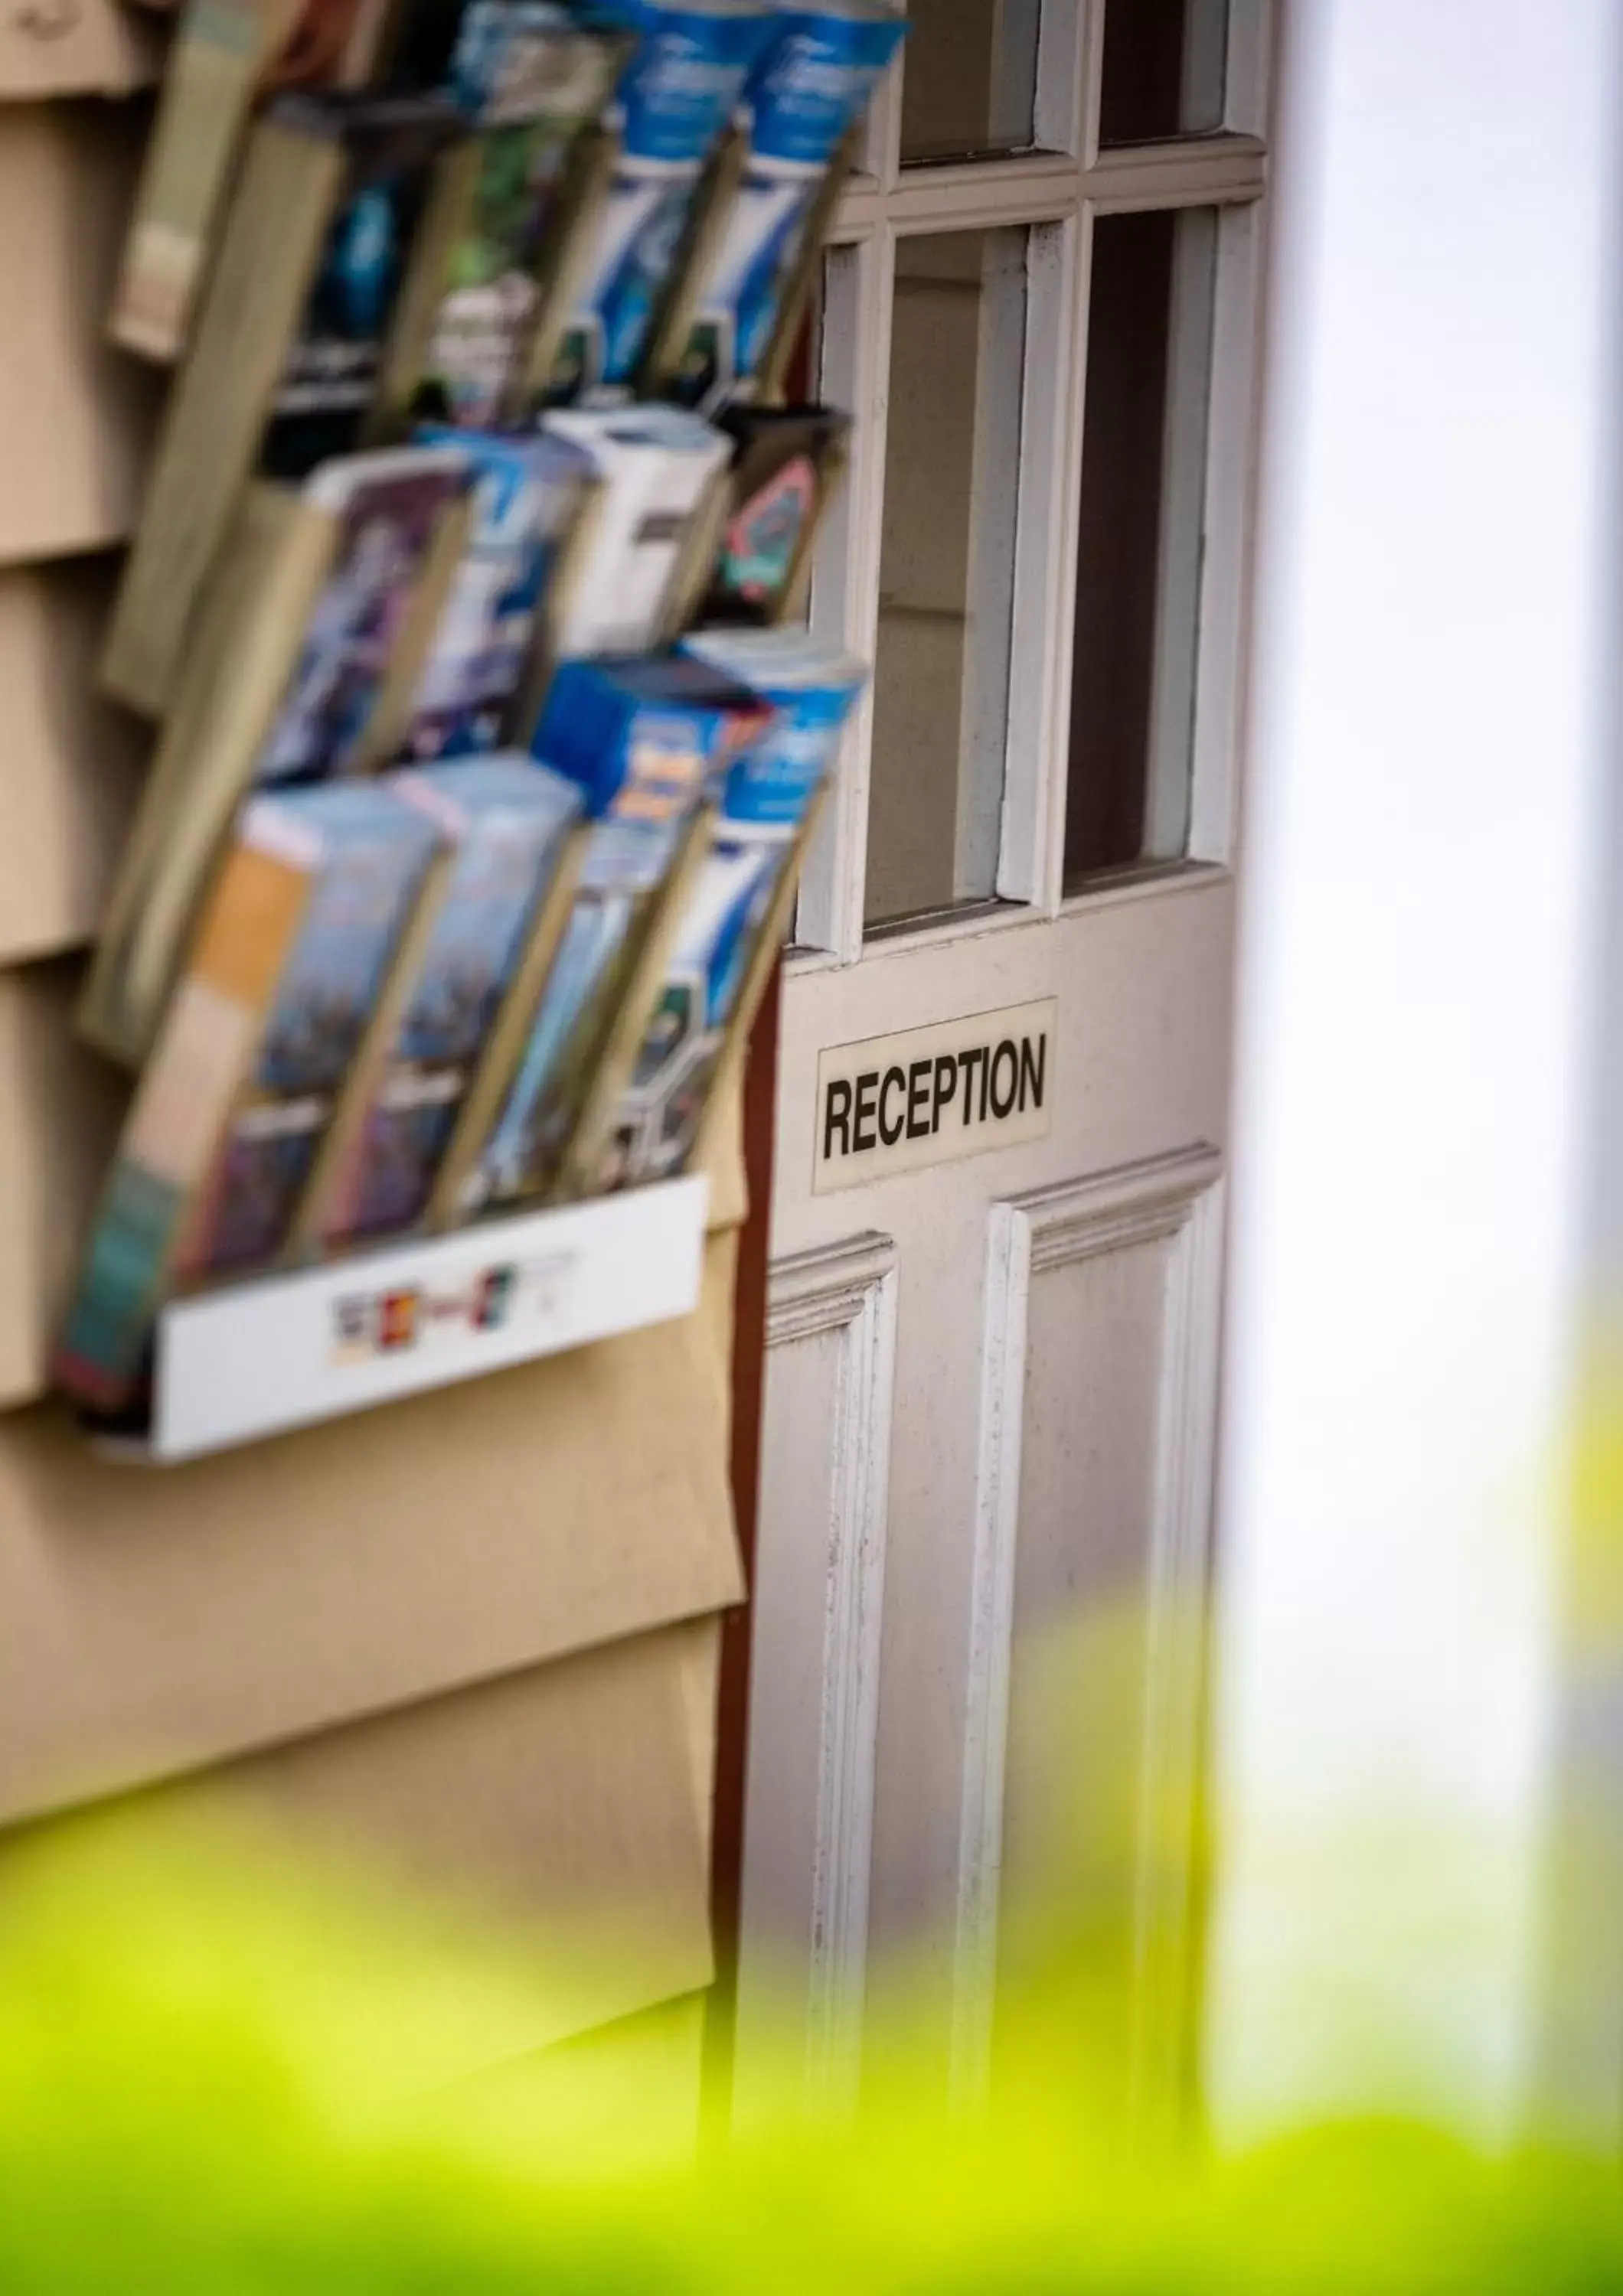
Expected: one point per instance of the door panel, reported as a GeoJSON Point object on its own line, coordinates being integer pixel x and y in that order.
{"type": "Point", "coordinates": [1092, 1508]}
{"type": "Point", "coordinates": [818, 1597]}
{"type": "Point", "coordinates": [1141, 1071]}
{"type": "Point", "coordinates": [1140, 1068]}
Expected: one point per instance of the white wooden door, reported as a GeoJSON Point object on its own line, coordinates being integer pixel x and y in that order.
{"type": "Point", "coordinates": [992, 1350]}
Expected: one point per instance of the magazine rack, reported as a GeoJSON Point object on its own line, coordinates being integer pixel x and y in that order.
{"type": "Point", "coordinates": [470, 1630]}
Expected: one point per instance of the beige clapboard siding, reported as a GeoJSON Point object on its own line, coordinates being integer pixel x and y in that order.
{"type": "Point", "coordinates": [76, 47]}
{"type": "Point", "coordinates": [636, 2084]}
{"type": "Point", "coordinates": [73, 763]}
{"type": "Point", "coordinates": [544, 1821]}
{"type": "Point", "coordinates": [153, 1621]}
{"type": "Point", "coordinates": [723, 1161]}
{"type": "Point", "coordinates": [76, 413]}
{"type": "Point", "coordinates": [699, 1645]}
{"type": "Point", "coordinates": [59, 1112]}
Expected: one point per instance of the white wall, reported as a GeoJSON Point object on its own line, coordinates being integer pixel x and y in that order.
{"type": "Point", "coordinates": [1417, 1035]}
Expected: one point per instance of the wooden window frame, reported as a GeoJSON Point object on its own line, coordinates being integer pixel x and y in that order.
{"type": "Point", "coordinates": [1055, 192]}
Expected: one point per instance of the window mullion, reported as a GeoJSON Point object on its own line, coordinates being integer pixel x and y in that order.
{"type": "Point", "coordinates": [1091, 76]}
{"type": "Point", "coordinates": [882, 138]}
{"type": "Point", "coordinates": [855, 373]}
{"type": "Point", "coordinates": [1034, 187]}
{"type": "Point", "coordinates": [1031, 860]}
{"type": "Point", "coordinates": [1207, 171]}
{"type": "Point", "coordinates": [1044, 187]}
{"type": "Point", "coordinates": [1246, 89]}
{"type": "Point", "coordinates": [1060, 99]}
{"type": "Point", "coordinates": [1230, 501]}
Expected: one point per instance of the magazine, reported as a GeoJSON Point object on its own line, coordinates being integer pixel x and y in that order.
{"type": "Point", "coordinates": [202, 1053]}
{"type": "Point", "coordinates": [675, 98]}
{"type": "Point", "coordinates": [655, 468]}
{"type": "Point", "coordinates": [803, 96]}
{"type": "Point", "coordinates": [330, 373]}
{"type": "Point", "coordinates": [389, 507]}
{"type": "Point", "coordinates": [645, 741]}
{"type": "Point", "coordinates": [532, 76]}
{"type": "Point", "coordinates": [374, 854]}
{"type": "Point", "coordinates": [787, 462]}
{"type": "Point", "coordinates": [509, 817]}
{"type": "Point", "coordinates": [812, 688]}
{"type": "Point", "coordinates": [529, 493]}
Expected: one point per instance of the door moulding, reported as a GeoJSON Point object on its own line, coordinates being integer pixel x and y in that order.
{"type": "Point", "coordinates": [1176, 1200]}
{"type": "Point", "coordinates": [848, 1288]}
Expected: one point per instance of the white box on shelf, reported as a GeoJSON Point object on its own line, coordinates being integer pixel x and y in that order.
{"type": "Point", "coordinates": [286, 1350]}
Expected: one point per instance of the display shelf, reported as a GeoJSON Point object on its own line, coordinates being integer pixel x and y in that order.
{"type": "Point", "coordinates": [231, 1366]}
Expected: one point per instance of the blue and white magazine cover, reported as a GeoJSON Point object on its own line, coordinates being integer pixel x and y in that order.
{"type": "Point", "coordinates": [812, 687]}
{"type": "Point", "coordinates": [645, 741]}
{"type": "Point", "coordinates": [675, 97]}
{"type": "Point", "coordinates": [812, 82]}
{"type": "Point", "coordinates": [527, 491]}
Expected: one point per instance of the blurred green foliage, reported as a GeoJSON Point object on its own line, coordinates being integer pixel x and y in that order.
{"type": "Point", "coordinates": [219, 2074]}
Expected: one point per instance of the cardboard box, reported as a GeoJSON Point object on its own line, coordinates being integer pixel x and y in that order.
{"type": "Point", "coordinates": [157, 1620]}
{"type": "Point", "coordinates": [76, 414]}
{"type": "Point", "coordinates": [76, 47]}
{"type": "Point", "coordinates": [61, 1109]}
{"type": "Point", "coordinates": [74, 763]}
{"type": "Point", "coordinates": [541, 1827]}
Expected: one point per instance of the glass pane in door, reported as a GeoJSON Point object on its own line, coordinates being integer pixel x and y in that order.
{"type": "Point", "coordinates": [946, 572]}
{"type": "Point", "coordinates": [1162, 69]}
{"type": "Point", "coordinates": [968, 79]}
{"type": "Point", "coordinates": [1141, 540]}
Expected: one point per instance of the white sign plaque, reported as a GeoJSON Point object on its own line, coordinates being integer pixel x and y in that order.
{"type": "Point", "coordinates": [890, 1104]}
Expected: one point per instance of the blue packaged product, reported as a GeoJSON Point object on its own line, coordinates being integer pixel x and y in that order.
{"type": "Point", "coordinates": [642, 735]}
{"type": "Point", "coordinates": [529, 491]}
{"type": "Point", "coordinates": [675, 97]}
{"type": "Point", "coordinates": [812, 688]}
{"type": "Point", "coordinates": [812, 82]}
{"type": "Point", "coordinates": [508, 818]}
{"type": "Point", "coordinates": [645, 741]}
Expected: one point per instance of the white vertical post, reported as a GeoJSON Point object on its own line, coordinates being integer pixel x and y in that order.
{"type": "Point", "coordinates": [1179, 549]}
{"type": "Point", "coordinates": [990, 562]}
{"type": "Point", "coordinates": [1418, 1096]}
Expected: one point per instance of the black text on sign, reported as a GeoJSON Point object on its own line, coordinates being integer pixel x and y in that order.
{"type": "Point", "coordinates": [892, 1104]}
